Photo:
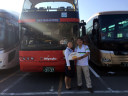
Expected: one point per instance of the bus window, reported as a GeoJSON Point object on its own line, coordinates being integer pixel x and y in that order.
{"type": "Point", "coordinates": [56, 35]}
{"type": "Point", "coordinates": [114, 27]}
{"type": "Point", "coordinates": [55, 6]}
{"type": "Point", "coordinates": [27, 5]}
{"type": "Point", "coordinates": [103, 29]}
{"type": "Point", "coordinates": [2, 28]}
{"type": "Point", "coordinates": [69, 8]}
{"type": "Point", "coordinates": [123, 29]}
{"type": "Point", "coordinates": [2, 31]}
{"type": "Point", "coordinates": [111, 27]}
{"type": "Point", "coordinates": [1, 20]}
{"type": "Point", "coordinates": [50, 6]}
{"type": "Point", "coordinates": [119, 35]}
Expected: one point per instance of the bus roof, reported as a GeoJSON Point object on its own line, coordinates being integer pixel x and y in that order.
{"type": "Point", "coordinates": [34, 2]}
{"type": "Point", "coordinates": [107, 13]}
{"type": "Point", "coordinates": [113, 12]}
{"type": "Point", "coordinates": [7, 13]}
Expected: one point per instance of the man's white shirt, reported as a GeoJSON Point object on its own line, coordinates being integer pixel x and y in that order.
{"type": "Point", "coordinates": [82, 51]}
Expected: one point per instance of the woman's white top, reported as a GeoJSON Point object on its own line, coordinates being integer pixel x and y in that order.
{"type": "Point", "coordinates": [67, 52]}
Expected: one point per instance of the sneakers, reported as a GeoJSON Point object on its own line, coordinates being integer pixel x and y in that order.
{"type": "Point", "coordinates": [90, 89]}
{"type": "Point", "coordinates": [79, 87]}
{"type": "Point", "coordinates": [68, 88]}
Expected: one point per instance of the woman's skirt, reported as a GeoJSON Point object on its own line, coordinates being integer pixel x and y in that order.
{"type": "Point", "coordinates": [70, 73]}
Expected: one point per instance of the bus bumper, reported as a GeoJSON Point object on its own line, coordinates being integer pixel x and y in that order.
{"type": "Point", "coordinates": [39, 66]}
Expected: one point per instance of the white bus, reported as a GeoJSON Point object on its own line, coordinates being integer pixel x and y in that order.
{"type": "Point", "coordinates": [9, 39]}
{"type": "Point", "coordinates": [107, 35]}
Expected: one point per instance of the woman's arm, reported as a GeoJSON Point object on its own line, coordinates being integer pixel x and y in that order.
{"type": "Point", "coordinates": [66, 57]}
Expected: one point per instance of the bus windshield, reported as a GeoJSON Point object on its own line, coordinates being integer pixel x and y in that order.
{"type": "Point", "coordinates": [114, 32]}
{"type": "Point", "coordinates": [114, 27]}
{"type": "Point", "coordinates": [48, 36]}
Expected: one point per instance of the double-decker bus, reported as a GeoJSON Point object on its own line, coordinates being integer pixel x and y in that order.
{"type": "Point", "coordinates": [9, 39]}
{"type": "Point", "coordinates": [45, 28]}
{"type": "Point", "coordinates": [107, 34]}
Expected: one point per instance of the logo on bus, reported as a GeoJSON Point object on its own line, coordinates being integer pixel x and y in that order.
{"type": "Point", "coordinates": [47, 20]}
{"type": "Point", "coordinates": [64, 14]}
{"type": "Point", "coordinates": [48, 58]}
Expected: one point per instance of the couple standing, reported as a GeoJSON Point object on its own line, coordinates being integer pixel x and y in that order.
{"type": "Point", "coordinates": [82, 65]}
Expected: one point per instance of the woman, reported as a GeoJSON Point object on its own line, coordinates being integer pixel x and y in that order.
{"type": "Point", "coordinates": [69, 68]}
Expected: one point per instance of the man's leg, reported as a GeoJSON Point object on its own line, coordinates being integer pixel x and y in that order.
{"type": "Point", "coordinates": [87, 76]}
{"type": "Point", "coordinates": [79, 76]}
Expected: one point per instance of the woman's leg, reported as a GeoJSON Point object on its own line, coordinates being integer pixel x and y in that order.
{"type": "Point", "coordinates": [69, 83]}
{"type": "Point", "coordinates": [66, 82]}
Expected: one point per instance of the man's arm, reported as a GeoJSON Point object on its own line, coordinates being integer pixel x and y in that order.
{"type": "Point", "coordinates": [85, 55]}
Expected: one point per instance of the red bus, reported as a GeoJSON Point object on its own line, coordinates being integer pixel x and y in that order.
{"type": "Point", "coordinates": [45, 28]}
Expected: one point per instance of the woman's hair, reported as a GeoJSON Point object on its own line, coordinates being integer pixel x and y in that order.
{"type": "Point", "coordinates": [80, 39]}
{"type": "Point", "coordinates": [69, 42]}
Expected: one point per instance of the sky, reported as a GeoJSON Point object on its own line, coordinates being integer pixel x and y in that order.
{"type": "Point", "coordinates": [14, 5]}
{"type": "Point", "coordinates": [87, 8]}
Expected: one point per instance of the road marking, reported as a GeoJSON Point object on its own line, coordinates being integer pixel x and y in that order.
{"type": "Point", "coordinates": [51, 89]}
{"type": "Point", "coordinates": [62, 93]}
{"type": "Point", "coordinates": [29, 94]}
{"type": "Point", "coordinates": [60, 84]}
{"type": "Point", "coordinates": [100, 92]}
{"type": "Point", "coordinates": [98, 76]}
{"type": "Point", "coordinates": [5, 90]}
{"type": "Point", "coordinates": [4, 79]}
{"type": "Point", "coordinates": [100, 79]}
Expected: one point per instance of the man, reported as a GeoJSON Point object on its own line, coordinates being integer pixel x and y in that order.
{"type": "Point", "coordinates": [82, 64]}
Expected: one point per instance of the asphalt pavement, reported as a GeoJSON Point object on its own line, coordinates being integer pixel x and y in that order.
{"type": "Point", "coordinates": [105, 81]}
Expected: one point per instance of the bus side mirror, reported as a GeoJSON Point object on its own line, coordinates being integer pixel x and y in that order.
{"type": "Point", "coordinates": [82, 27]}
{"type": "Point", "coordinates": [95, 24]}
{"type": "Point", "coordinates": [82, 23]}
{"type": "Point", "coordinates": [83, 31]}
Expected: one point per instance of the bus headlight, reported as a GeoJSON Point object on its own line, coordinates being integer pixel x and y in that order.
{"type": "Point", "coordinates": [106, 60]}
{"type": "Point", "coordinates": [28, 58]}
{"type": "Point", "coordinates": [23, 58]}
{"type": "Point", "coordinates": [32, 58]}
